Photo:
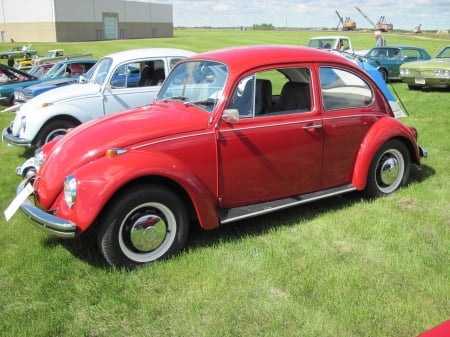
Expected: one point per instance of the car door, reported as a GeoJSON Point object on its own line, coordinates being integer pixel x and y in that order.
{"type": "Point", "coordinates": [271, 152]}
{"type": "Point", "coordinates": [349, 110]}
{"type": "Point", "coordinates": [123, 90]}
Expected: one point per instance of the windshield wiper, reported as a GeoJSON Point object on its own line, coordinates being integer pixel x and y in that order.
{"type": "Point", "coordinates": [207, 102]}
{"type": "Point", "coordinates": [175, 98]}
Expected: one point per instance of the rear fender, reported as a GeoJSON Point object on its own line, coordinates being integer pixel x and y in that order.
{"type": "Point", "coordinates": [383, 130]}
{"type": "Point", "coordinates": [100, 180]}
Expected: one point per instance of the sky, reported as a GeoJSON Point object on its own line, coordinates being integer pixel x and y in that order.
{"type": "Point", "coordinates": [403, 14]}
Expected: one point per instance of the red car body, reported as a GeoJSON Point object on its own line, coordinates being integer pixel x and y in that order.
{"type": "Point", "coordinates": [140, 175]}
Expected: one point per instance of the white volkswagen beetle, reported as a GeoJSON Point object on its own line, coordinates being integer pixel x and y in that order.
{"type": "Point", "coordinates": [117, 82]}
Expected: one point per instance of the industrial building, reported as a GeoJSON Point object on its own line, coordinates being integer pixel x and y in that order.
{"type": "Point", "coordinates": [83, 20]}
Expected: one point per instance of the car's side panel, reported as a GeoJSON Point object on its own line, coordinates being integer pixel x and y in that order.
{"type": "Point", "coordinates": [267, 158]}
{"type": "Point", "coordinates": [342, 141]}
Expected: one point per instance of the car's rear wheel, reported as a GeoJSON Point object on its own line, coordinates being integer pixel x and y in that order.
{"type": "Point", "coordinates": [141, 225]}
{"type": "Point", "coordinates": [53, 130]}
{"type": "Point", "coordinates": [389, 169]}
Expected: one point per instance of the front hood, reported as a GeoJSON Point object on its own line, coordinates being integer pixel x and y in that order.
{"type": "Point", "coordinates": [47, 85]}
{"type": "Point", "coordinates": [431, 64]}
{"type": "Point", "coordinates": [64, 93]}
{"type": "Point", "coordinates": [90, 141]}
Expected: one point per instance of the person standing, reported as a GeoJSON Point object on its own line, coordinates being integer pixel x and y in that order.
{"type": "Point", "coordinates": [379, 39]}
{"type": "Point", "coordinates": [11, 61]}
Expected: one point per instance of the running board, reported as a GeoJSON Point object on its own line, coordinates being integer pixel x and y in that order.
{"type": "Point", "coordinates": [243, 212]}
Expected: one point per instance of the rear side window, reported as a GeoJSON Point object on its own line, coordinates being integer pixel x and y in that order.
{"type": "Point", "coordinates": [342, 89]}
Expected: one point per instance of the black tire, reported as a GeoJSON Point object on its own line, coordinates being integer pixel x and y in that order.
{"type": "Point", "coordinates": [384, 74]}
{"type": "Point", "coordinates": [54, 129]}
{"type": "Point", "coordinates": [414, 87]}
{"type": "Point", "coordinates": [141, 225]}
{"type": "Point", "coordinates": [389, 169]}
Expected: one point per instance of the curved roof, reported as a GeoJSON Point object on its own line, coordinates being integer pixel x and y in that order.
{"type": "Point", "coordinates": [259, 55]}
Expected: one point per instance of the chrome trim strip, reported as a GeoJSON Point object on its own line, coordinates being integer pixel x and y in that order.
{"type": "Point", "coordinates": [276, 205]}
{"type": "Point", "coordinates": [172, 139]}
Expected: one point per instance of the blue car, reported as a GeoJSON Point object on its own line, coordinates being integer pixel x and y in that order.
{"type": "Point", "coordinates": [388, 59]}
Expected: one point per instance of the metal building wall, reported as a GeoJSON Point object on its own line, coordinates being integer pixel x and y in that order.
{"type": "Point", "coordinates": [82, 20]}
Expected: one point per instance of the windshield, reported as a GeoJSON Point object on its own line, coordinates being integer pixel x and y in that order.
{"type": "Point", "coordinates": [322, 43]}
{"type": "Point", "coordinates": [58, 69]}
{"type": "Point", "coordinates": [100, 70]}
{"type": "Point", "coordinates": [198, 83]}
{"type": "Point", "coordinates": [444, 53]}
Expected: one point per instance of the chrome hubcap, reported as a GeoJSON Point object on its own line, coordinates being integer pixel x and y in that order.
{"type": "Point", "coordinates": [148, 232]}
{"type": "Point", "coordinates": [389, 171]}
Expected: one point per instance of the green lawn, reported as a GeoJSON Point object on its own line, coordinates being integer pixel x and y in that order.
{"type": "Point", "coordinates": [346, 266]}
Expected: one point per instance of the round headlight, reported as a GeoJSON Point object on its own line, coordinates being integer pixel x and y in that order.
{"type": "Point", "coordinates": [70, 190]}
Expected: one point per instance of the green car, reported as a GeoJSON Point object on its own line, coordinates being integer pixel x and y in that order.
{"type": "Point", "coordinates": [434, 73]}
{"type": "Point", "coordinates": [18, 52]}
{"type": "Point", "coordinates": [388, 59]}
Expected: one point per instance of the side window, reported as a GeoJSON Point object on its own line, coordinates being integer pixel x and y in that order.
{"type": "Point", "coordinates": [151, 73]}
{"type": "Point", "coordinates": [126, 75]}
{"type": "Point", "coordinates": [343, 90]}
{"type": "Point", "coordinates": [411, 54]}
{"type": "Point", "coordinates": [243, 97]}
{"type": "Point", "coordinates": [134, 74]}
{"type": "Point", "coordinates": [273, 92]}
{"type": "Point", "coordinates": [174, 61]}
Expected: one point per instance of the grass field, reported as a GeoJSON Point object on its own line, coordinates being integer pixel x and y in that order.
{"type": "Point", "coordinates": [345, 266]}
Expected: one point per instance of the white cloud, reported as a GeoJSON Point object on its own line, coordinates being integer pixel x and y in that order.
{"type": "Point", "coordinates": [403, 14]}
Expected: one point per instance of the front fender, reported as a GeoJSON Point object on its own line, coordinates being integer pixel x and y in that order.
{"type": "Point", "coordinates": [37, 118]}
{"type": "Point", "coordinates": [100, 180]}
{"type": "Point", "coordinates": [383, 130]}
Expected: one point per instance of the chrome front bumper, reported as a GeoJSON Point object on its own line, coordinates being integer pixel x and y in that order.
{"type": "Point", "coordinates": [423, 152]}
{"type": "Point", "coordinates": [8, 136]}
{"type": "Point", "coordinates": [57, 226]}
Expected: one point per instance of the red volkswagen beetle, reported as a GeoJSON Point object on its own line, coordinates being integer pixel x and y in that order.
{"type": "Point", "coordinates": [232, 134]}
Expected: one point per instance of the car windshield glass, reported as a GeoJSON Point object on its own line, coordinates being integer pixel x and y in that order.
{"type": "Point", "coordinates": [322, 43]}
{"type": "Point", "coordinates": [445, 53]}
{"type": "Point", "coordinates": [198, 83]}
{"type": "Point", "coordinates": [101, 69]}
{"type": "Point", "coordinates": [56, 70]}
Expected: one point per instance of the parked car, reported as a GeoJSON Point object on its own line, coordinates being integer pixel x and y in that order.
{"type": "Point", "coordinates": [232, 134]}
{"type": "Point", "coordinates": [18, 52]}
{"type": "Point", "coordinates": [119, 81]}
{"type": "Point", "coordinates": [388, 59]}
{"type": "Point", "coordinates": [11, 78]}
{"type": "Point", "coordinates": [62, 73]}
{"type": "Point", "coordinates": [434, 73]}
{"type": "Point", "coordinates": [19, 79]}
{"type": "Point", "coordinates": [40, 70]}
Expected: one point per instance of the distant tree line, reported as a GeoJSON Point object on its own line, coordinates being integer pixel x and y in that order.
{"type": "Point", "coordinates": [264, 26]}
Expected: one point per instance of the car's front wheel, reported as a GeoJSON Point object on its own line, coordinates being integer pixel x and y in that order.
{"type": "Point", "coordinates": [53, 130]}
{"type": "Point", "coordinates": [389, 169]}
{"type": "Point", "coordinates": [141, 225]}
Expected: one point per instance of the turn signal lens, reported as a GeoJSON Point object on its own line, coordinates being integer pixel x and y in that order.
{"type": "Point", "coordinates": [111, 153]}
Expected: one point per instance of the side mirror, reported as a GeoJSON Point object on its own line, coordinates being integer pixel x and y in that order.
{"type": "Point", "coordinates": [82, 79]}
{"type": "Point", "coordinates": [230, 115]}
